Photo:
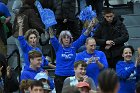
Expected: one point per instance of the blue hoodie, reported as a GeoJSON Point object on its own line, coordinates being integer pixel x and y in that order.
{"type": "Point", "coordinates": [92, 69]}
{"type": "Point", "coordinates": [127, 73]}
{"type": "Point", "coordinates": [26, 48]}
{"type": "Point", "coordinates": [29, 73]}
{"type": "Point", "coordinates": [65, 56]}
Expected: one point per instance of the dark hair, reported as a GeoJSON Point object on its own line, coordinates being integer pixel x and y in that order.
{"type": "Point", "coordinates": [36, 83]}
{"type": "Point", "coordinates": [138, 87]}
{"type": "Point", "coordinates": [108, 80]}
{"type": "Point", "coordinates": [70, 89]}
{"type": "Point", "coordinates": [34, 54]}
{"type": "Point", "coordinates": [83, 63]}
{"type": "Point", "coordinates": [107, 11]}
{"type": "Point", "coordinates": [128, 46]}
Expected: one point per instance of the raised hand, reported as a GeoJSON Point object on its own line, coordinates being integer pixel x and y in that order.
{"type": "Point", "coordinates": [20, 21]}
{"type": "Point", "coordinates": [1, 70]}
{"type": "Point", "coordinates": [51, 32]}
{"type": "Point", "coordinates": [8, 71]}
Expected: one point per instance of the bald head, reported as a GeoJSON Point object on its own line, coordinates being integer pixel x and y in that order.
{"type": "Point", "coordinates": [90, 45]}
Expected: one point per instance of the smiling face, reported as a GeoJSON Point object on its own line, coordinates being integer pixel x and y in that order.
{"type": "Point", "coordinates": [127, 54]}
{"type": "Point", "coordinates": [91, 45]}
{"type": "Point", "coordinates": [80, 71]}
{"type": "Point", "coordinates": [32, 39]}
{"type": "Point", "coordinates": [36, 62]}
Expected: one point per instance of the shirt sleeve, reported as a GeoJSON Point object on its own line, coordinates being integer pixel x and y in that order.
{"type": "Point", "coordinates": [80, 41]}
{"type": "Point", "coordinates": [122, 72]}
{"type": "Point", "coordinates": [55, 43]}
{"type": "Point", "coordinates": [23, 43]}
{"type": "Point", "coordinates": [103, 60]}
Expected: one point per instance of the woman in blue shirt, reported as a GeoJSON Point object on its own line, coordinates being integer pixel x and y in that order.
{"type": "Point", "coordinates": [65, 50]}
{"type": "Point", "coordinates": [127, 70]}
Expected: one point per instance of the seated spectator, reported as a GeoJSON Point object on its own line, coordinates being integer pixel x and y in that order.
{"type": "Point", "coordinates": [72, 89]}
{"type": "Point", "coordinates": [83, 87]}
{"type": "Point", "coordinates": [127, 70]}
{"type": "Point", "coordinates": [46, 80]}
{"type": "Point", "coordinates": [35, 59]}
{"type": "Point", "coordinates": [8, 78]}
{"type": "Point", "coordinates": [29, 42]}
{"type": "Point", "coordinates": [108, 81]}
{"type": "Point", "coordinates": [24, 85]}
{"type": "Point", "coordinates": [36, 87]}
{"type": "Point", "coordinates": [80, 71]}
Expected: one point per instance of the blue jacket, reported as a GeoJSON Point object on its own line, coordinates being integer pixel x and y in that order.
{"type": "Point", "coordinates": [65, 56]}
{"type": "Point", "coordinates": [127, 74]}
{"type": "Point", "coordinates": [92, 69]}
{"type": "Point", "coordinates": [29, 73]}
{"type": "Point", "coordinates": [26, 48]}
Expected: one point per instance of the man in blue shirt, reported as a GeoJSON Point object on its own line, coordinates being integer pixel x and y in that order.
{"type": "Point", "coordinates": [95, 59]}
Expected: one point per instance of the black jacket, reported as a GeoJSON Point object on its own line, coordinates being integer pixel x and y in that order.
{"type": "Point", "coordinates": [115, 31]}
{"type": "Point", "coordinates": [65, 9]}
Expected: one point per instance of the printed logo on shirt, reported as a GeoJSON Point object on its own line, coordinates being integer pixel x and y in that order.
{"type": "Point", "coordinates": [67, 56]}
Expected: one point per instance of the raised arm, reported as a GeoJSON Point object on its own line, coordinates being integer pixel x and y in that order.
{"type": "Point", "coordinates": [55, 43]}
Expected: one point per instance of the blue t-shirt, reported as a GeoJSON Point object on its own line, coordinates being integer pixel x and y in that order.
{"type": "Point", "coordinates": [65, 56]}
{"type": "Point", "coordinates": [4, 10]}
{"type": "Point", "coordinates": [26, 48]}
{"type": "Point", "coordinates": [92, 69]}
{"type": "Point", "coordinates": [127, 73]}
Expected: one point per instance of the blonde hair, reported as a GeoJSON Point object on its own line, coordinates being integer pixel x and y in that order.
{"type": "Point", "coordinates": [31, 31]}
{"type": "Point", "coordinates": [86, 23]}
{"type": "Point", "coordinates": [65, 33]}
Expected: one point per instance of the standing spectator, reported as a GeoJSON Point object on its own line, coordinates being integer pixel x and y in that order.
{"type": "Point", "coordinates": [8, 78]}
{"type": "Point", "coordinates": [5, 17]}
{"type": "Point", "coordinates": [65, 11]}
{"type": "Point", "coordinates": [30, 21]}
{"type": "Point", "coordinates": [127, 70]}
{"type": "Point", "coordinates": [65, 50]}
{"type": "Point", "coordinates": [80, 76]}
{"type": "Point", "coordinates": [95, 59]}
{"type": "Point", "coordinates": [111, 36]}
{"type": "Point", "coordinates": [108, 81]}
{"type": "Point", "coordinates": [32, 37]}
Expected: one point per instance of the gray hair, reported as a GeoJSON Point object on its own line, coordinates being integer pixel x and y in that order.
{"type": "Point", "coordinates": [65, 33]}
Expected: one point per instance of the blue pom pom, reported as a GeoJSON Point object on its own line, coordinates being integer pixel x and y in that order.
{"type": "Point", "coordinates": [87, 14]}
